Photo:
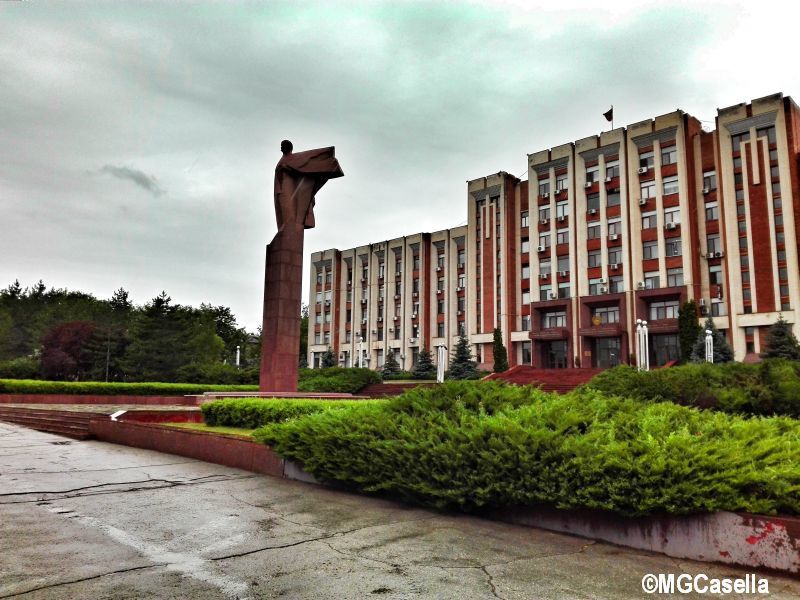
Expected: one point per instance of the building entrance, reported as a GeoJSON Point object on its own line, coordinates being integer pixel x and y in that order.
{"type": "Point", "coordinates": [606, 352]}
{"type": "Point", "coordinates": [554, 355]}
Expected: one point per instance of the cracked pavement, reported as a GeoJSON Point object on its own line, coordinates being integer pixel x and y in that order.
{"type": "Point", "coordinates": [97, 520]}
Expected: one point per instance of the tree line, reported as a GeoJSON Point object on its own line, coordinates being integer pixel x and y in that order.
{"type": "Point", "coordinates": [68, 335]}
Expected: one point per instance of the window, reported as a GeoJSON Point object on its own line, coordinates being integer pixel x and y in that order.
{"type": "Point", "coordinates": [544, 267]}
{"type": "Point", "coordinates": [380, 334]}
{"type": "Point", "coordinates": [776, 188]}
{"type": "Point", "coordinates": [646, 159]}
{"type": "Point", "coordinates": [523, 220]}
{"type": "Point", "coordinates": [667, 309]}
{"type": "Point", "coordinates": [526, 272]}
{"type": "Point", "coordinates": [607, 314]}
{"type": "Point", "coordinates": [318, 318]}
{"type": "Point", "coordinates": [710, 180]}
{"type": "Point", "coordinates": [616, 285]}
{"type": "Point", "coordinates": [348, 315]}
{"type": "Point", "coordinates": [745, 276]}
{"type": "Point", "coordinates": [736, 141]}
{"type": "Point", "coordinates": [562, 209]}
{"type": "Point", "coordinates": [652, 280]}
{"type": "Point", "coordinates": [462, 280]}
{"type": "Point", "coordinates": [649, 250]}
{"type": "Point", "coordinates": [712, 211]}
{"type": "Point", "coordinates": [544, 241]}
{"type": "Point", "coordinates": [415, 260]}
{"type": "Point", "coordinates": [319, 276]}
{"type": "Point", "coordinates": [563, 264]}
{"type": "Point", "coordinates": [319, 297]}
{"type": "Point", "coordinates": [440, 284]}
{"type": "Point", "coordinates": [669, 155]}
{"type": "Point", "coordinates": [594, 258]}
{"type": "Point", "coordinates": [713, 243]}
{"type": "Point", "coordinates": [563, 290]}
{"type": "Point", "coordinates": [674, 277]}
{"type": "Point", "coordinates": [415, 285]}
{"type": "Point", "coordinates": [544, 292]}
{"type": "Point", "coordinates": [671, 185]}
{"type": "Point", "coordinates": [614, 226]}
{"type": "Point", "coordinates": [592, 173]}
{"type": "Point", "coordinates": [672, 215]}
{"type": "Point", "coordinates": [647, 189]}
{"type": "Point", "coordinates": [317, 338]}
{"type": "Point", "coordinates": [595, 287]}
{"type": "Point", "coordinates": [592, 202]}
{"type": "Point", "coordinates": [398, 288]}
{"type": "Point", "coordinates": [556, 318]}
{"type": "Point", "coordinates": [381, 270]}
{"type": "Point", "coordinates": [649, 220]}
{"type": "Point", "coordinates": [381, 292]}
{"type": "Point", "coordinates": [526, 297]}
{"type": "Point", "coordinates": [562, 183]}
{"type": "Point", "coordinates": [440, 307]}
{"type": "Point", "coordinates": [525, 246]}
{"type": "Point", "coordinates": [717, 308]}
{"type": "Point", "coordinates": [769, 132]}
{"type": "Point", "coordinates": [328, 276]}
{"type": "Point", "coordinates": [562, 236]}
{"type": "Point", "coordinates": [773, 154]}
{"type": "Point", "coordinates": [440, 260]}
{"type": "Point", "coordinates": [614, 256]}
{"type": "Point", "coordinates": [544, 214]}
{"type": "Point", "coordinates": [461, 257]}
{"type": "Point", "coordinates": [673, 247]}
{"type": "Point", "coordinates": [593, 231]}
{"type": "Point", "coordinates": [440, 330]}
{"type": "Point", "coordinates": [544, 187]}
{"type": "Point", "coordinates": [613, 198]}
{"type": "Point", "coordinates": [326, 338]}
{"type": "Point", "coordinates": [612, 169]}
{"type": "Point", "coordinates": [526, 322]}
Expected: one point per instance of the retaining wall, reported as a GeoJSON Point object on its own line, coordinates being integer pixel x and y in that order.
{"type": "Point", "coordinates": [96, 399]}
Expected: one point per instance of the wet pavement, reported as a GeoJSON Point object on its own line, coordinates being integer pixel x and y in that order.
{"type": "Point", "coordinates": [96, 520]}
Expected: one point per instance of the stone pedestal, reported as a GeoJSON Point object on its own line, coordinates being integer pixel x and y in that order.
{"type": "Point", "coordinates": [283, 289]}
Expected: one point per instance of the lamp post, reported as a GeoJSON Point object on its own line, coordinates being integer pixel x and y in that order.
{"type": "Point", "coordinates": [440, 360]}
{"type": "Point", "coordinates": [709, 346]}
{"type": "Point", "coordinates": [642, 345]}
{"type": "Point", "coordinates": [360, 352]}
{"type": "Point", "coordinates": [238, 356]}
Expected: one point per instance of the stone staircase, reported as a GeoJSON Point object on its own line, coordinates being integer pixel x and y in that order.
{"type": "Point", "coordinates": [550, 380]}
{"type": "Point", "coordinates": [72, 424]}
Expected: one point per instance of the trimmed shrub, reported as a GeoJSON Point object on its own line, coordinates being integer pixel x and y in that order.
{"type": "Point", "coordinates": [769, 388]}
{"type": "Point", "coordinates": [336, 379]}
{"type": "Point", "coordinates": [19, 368]}
{"type": "Point", "coordinates": [218, 373]}
{"type": "Point", "coordinates": [250, 413]}
{"type": "Point", "coordinates": [29, 386]}
{"type": "Point", "coordinates": [399, 376]}
{"type": "Point", "coordinates": [499, 446]}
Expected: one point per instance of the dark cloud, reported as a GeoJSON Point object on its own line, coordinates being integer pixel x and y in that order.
{"type": "Point", "coordinates": [416, 97]}
{"type": "Point", "coordinates": [143, 180]}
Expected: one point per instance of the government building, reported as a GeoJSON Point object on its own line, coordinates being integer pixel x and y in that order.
{"type": "Point", "coordinates": [606, 230]}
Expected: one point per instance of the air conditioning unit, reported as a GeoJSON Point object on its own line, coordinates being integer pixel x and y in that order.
{"type": "Point", "coordinates": [459, 313]}
{"type": "Point", "coordinates": [613, 237]}
{"type": "Point", "coordinates": [592, 211]}
{"type": "Point", "coordinates": [552, 296]}
{"type": "Point", "coordinates": [709, 255]}
{"type": "Point", "coordinates": [363, 321]}
{"type": "Point", "coordinates": [542, 248]}
{"type": "Point", "coordinates": [563, 273]}
{"type": "Point", "coordinates": [588, 184]}
{"type": "Point", "coordinates": [363, 301]}
{"type": "Point", "coordinates": [391, 328]}
{"type": "Point", "coordinates": [670, 226]}
{"type": "Point", "coordinates": [614, 266]}
{"type": "Point", "coordinates": [719, 254]}
{"type": "Point", "coordinates": [439, 269]}
{"type": "Point", "coordinates": [327, 302]}
{"type": "Point", "coordinates": [397, 296]}
{"type": "Point", "coordinates": [413, 340]}
{"type": "Point", "coordinates": [415, 294]}
{"type": "Point", "coordinates": [380, 319]}
{"type": "Point", "coordinates": [374, 331]}
{"type": "Point", "coordinates": [603, 290]}
{"type": "Point", "coordinates": [460, 288]}
{"type": "Point", "coordinates": [398, 275]}
{"type": "Point", "coordinates": [544, 275]}
{"type": "Point", "coordinates": [608, 179]}
{"type": "Point", "coordinates": [642, 201]}
{"type": "Point", "coordinates": [440, 292]}
{"type": "Point", "coordinates": [543, 221]}
{"type": "Point", "coordinates": [363, 279]}
{"type": "Point", "coordinates": [395, 318]}
{"type": "Point", "coordinates": [603, 281]}
{"type": "Point", "coordinates": [641, 285]}
{"type": "Point", "coordinates": [413, 315]}
{"type": "Point", "coordinates": [642, 170]}
{"type": "Point", "coordinates": [546, 195]}
{"type": "Point", "coordinates": [562, 218]}
{"type": "Point", "coordinates": [702, 301]}
{"type": "Point", "coordinates": [706, 191]}
{"type": "Point", "coordinates": [349, 282]}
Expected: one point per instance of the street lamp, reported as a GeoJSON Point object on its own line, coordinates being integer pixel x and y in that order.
{"type": "Point", "coordinates": [238, 356]}
{"type": "Point", "coordinates": [360, 352]}
{"type": "Point", "coordinates": [643, 346]}
{"type": "Point", "coordinates": [709, 346]}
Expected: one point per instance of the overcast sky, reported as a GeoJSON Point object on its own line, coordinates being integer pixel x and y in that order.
{"type": "Point", "coordinates": [138, 140]}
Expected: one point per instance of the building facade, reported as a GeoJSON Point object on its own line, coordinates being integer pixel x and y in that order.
{"type": "Point", "coordinates": [625, 225]}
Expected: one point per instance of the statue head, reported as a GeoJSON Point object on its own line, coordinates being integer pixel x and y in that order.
{"type": "Point", "coordinates": [286, 147]}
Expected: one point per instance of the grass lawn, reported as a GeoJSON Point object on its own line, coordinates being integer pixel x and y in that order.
{"type": "Point", "coordinates": [208, 429]}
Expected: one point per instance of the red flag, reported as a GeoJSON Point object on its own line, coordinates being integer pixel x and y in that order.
{"type": "Point", "coordinates": [609, 115]}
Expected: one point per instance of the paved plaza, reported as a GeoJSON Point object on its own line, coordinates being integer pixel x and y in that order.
{"type": "Point", "coordinates": [96, 520]}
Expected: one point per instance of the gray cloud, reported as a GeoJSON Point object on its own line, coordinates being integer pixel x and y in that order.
{"type": "Point", "coordinates": [416, 97]}
{"type": "Point", "coordinates": [143, 180]}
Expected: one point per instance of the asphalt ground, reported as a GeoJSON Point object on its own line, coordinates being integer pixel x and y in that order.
{"type": "Point", "coordinates": [100, 521]}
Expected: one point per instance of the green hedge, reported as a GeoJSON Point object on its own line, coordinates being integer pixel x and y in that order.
{"type": "Point", "coordinates": [250, 413]}
{"type": "Point", "coordinates": [30, 386]}
{"type": "Point", "coordinates": [336, 379]}
{"type": "Point", "coordinates": [769, 388]}
{"type": "Point", "coordinates": [466, 445]}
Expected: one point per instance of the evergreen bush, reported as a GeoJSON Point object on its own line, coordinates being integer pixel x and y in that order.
{"type": "Point", "coordinates": [461, 364]}
{"type": "Point", "coordinates": [424, 369]}
{"type": "Point", "coordinates": [781, 342]}
{"type": "Point", "coordinates": [499, 353]}
{"type": "Point", "coordinates": [250, 413]}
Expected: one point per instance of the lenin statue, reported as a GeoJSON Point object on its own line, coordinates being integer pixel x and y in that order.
{"type": "Point", "coordinates": [298, 178]}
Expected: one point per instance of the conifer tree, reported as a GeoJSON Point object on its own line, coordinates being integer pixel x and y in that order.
{"type": "Point", "coordinates": [781, 342]}
{"type": "Point", "coordinates": [688, 329]}
{"type": "Point", "coordinates": [390, 366]}
{"type": "Point", "coordinates": [424, 369]}
{"type": "Point", "coordinates": [328, 359]}
{"type": "Point", "coordinates": [461, 365]}
{"type": "Point", "coordinates": [499, 352]}
{"type": "Point", "coordinates": [722, 350]}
